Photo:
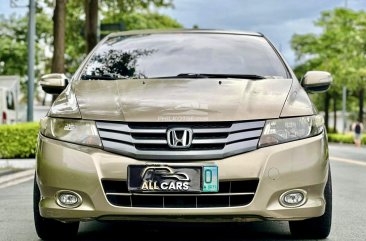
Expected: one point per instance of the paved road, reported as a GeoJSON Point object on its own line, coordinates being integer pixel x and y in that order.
{"type": "Point", "coordinates": [349, 187]}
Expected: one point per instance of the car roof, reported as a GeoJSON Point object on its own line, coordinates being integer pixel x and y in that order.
{"type": "Point", "coordinates": [196, 31]}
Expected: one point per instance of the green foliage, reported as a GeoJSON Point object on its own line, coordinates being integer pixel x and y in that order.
{"type": "Point", "coordinates": [344, 138]}
{"type": "Point", "coordinates": [129, 6]}
{"type": "Point", "coordinates": [13, 42]}
{"type": "Point", "coordinates": [134, 21]}
{"type": "Point", "coordinates": [18, 141]}
{"type": "Point", "coordinates": [331, 130]}
{"type": "Point", "coordinates": [75, 44]}
{"type": "Point", "coordinates": [13, 46]}
{"type": "Point", "coordinates": [13, 31]}
{"type": "Point", "coordinates": [133, 14]}
{"type": "Point", "coordinates": [338, 49]}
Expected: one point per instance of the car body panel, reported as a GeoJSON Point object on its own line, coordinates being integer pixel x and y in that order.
{"type": "Point", "coordinates": [297, 102]}
{"type": "Point", "coordinates": [156, 100]}
{"type": "Point", "coordinates": [197, 31]}
{"type": "Point", "coordinates": [80, 169]}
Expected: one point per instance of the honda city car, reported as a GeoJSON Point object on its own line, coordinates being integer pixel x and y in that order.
{"type": "Point", "coordinates": [193, 125]}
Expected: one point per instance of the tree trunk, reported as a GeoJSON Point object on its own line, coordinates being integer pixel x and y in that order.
{"type": "Point", "coordinates": [335, 112]}
{"type": "Point", "coordinates": [91, 24]}
{"type": "Point", "coordinates": [59, 19]}
{"type": "Point", "coordinates": [326, 110]}
{"type": "Point", "coordinates": [360, 104]}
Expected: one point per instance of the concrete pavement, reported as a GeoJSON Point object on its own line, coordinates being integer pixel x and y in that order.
{"type": "Point", "coordinates": [15, 171]}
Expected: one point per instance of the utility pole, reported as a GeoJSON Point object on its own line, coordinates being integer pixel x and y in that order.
{"type": "Point", "coordinates": [344, 95]}
{"type": "Point", "coordinates": [31, 46]}
{"type": "Point", "coordinates": [31, 56]}
{"type": "Point", "coordinates": [344, 99]}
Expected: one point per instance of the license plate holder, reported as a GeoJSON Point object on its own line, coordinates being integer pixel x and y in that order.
{"type": "Point", "coordinates": [158, 178]}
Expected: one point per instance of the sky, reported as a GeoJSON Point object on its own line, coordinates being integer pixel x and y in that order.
{"type": "Point", "coordinates": [279, 20]}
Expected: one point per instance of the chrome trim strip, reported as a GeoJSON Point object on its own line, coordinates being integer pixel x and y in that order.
{"type": "Point", "coordinates": [231, 138]}
{"type": "Point", "coordinates": [228, 150]}
{"type": "Point", "coordinates": [180, 194]}
{"type": "Point", "coordinates": [125, 128]}
{"type": "Point", "coordinates": [128, 138]}
{"type": "Point", "coordinates": [235, 127]}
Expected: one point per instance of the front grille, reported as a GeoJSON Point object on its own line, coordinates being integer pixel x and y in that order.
{"type": "Point", "coordinates": [211, 140]}
{"type": "Point", "coordinates": [231, 194]}
{"type": "Point", "coordinates": [158, 147]}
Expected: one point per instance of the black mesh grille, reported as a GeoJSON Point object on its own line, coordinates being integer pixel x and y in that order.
{"type": "Point", "coordinates": [230, 194]}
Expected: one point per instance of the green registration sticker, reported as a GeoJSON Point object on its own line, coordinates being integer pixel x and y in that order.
{"type": "Point", "coordinates": [210, 179]}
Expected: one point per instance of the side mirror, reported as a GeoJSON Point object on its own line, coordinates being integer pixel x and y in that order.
{"type": "Point", "coordinates": [53, 83]}
{"type": "Point", "coordinates": [317, 81]}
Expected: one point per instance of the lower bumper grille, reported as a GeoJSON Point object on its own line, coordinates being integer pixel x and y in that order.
{"type": "Point", "coordinates": [231, 194]}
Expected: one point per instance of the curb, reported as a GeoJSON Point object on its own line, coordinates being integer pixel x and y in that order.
{"type": "Point", "coordinates": [16, 178]}
{"type": "Point", "coordinates": [18, 163]}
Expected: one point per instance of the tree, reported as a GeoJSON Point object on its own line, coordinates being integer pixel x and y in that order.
{"type": "Point", "coordinates": [135, 14]}
{"type": "Point", "coordinates": [148, 20]}
{"type": "Point", "coordinates": [91, 23]}
{"type": "Point", "coordinates": [82, 22]}
{"type": "Point", "coordinates": [13, 46]}
{"type": "Point", "coordinates": [13, 31]}
{"type": "Point", "coordinates": [59, 18]}
{"type": "Point", "coordinates": [120, 7]}
{"type": "Point", "coordinates": [339, 49]}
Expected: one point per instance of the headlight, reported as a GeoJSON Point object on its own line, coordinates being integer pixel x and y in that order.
{"type": "Point", "coordinates": [290, 129]}
{"type": "Point", "coordinates": [70, 130]}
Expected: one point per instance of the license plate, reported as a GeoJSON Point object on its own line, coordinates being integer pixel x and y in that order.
{"type": "Point", "coordinates": [210, 179]}
{"type": "Point", "coordinates": [172, 179]}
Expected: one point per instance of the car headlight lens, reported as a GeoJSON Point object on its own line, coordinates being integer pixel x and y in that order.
{"type": "Point", "coordinates": [290, 129]}
{"type": "Point", "coordinates": [65, 106]}
{"type": "Point", "coordinates": [82, 132]}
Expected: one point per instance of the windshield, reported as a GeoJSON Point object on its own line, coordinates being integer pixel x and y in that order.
{"type": "Point", "coordinates": [171, 54]}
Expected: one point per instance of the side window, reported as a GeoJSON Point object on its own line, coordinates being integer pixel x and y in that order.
{"type": "Point", "coordinates": [10, 100]}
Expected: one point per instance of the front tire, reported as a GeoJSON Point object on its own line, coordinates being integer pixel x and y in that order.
{"type": "Point", "coordinates": [49, 229]}
{"type": "Point", "coordinates": [319, 227]}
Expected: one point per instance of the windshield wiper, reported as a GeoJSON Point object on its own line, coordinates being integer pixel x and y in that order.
{"type": "Point", "coordinates": [99, 77]}
{"type": "Point", "coordinates": [111, 77]}
{"type": "Point", "coordinates": [198, 76]}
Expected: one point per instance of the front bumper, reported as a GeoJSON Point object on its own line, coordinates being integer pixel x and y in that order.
{"type": "Point", "coordinates": [300, 164]}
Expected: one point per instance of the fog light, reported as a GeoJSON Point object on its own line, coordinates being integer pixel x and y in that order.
{"type": "Point", "coordinates": [293, 198]}
{"type": "Point", "coordinates": [68, 199]}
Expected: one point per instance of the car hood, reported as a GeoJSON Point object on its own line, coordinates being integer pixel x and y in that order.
{"type": "Point", "coordinates": [154, 100]}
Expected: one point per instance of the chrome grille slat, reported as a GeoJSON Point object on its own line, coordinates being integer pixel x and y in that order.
{"type": "Point", "coordinates": [231, 138]}
{"type": "Point", "coordinates": [210, 140]}
{"type": "Point", "coordinates": [128, 138]}
{"type": "Point", "coordinates": [235, 127]}
{"type": "Point", "coordinates": [229, 150]}
{"type": "Point", "coordinates": [120, 127]}
{"type": "Point", "coordinates": [181, 194]}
